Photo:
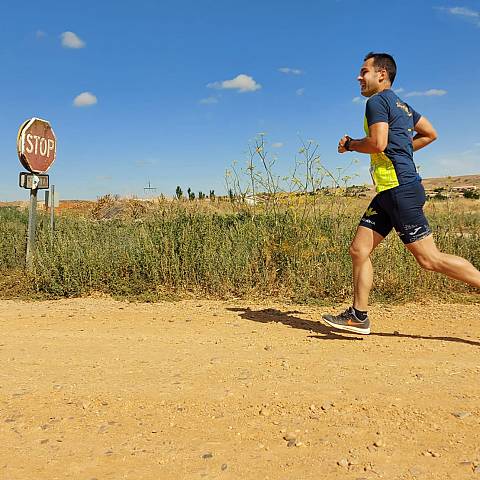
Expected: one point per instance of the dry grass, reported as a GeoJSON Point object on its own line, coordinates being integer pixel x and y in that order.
{"type": "Point", "coordinates": [218, 249]}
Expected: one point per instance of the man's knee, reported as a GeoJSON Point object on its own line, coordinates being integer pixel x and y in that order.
{"type": "Point", "coordinates": [429, 262]}
{"type": "Point", "coordinates": [359, 252]}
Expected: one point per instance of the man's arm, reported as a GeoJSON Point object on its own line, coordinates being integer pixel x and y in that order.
{"type": "Point", "coordinates": [426, 134]}
{"type": "Point", "coordinates": [375, 142]}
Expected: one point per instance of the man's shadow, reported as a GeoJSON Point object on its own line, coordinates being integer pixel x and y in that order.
{"type": "Point", "coordinates": [323, 331]}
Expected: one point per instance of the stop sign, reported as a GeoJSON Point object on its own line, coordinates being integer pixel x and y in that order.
{"type": "Point", "coordinates": [36, 145]}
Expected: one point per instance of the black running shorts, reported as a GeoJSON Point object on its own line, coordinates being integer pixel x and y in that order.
{"type": "Point", "coordinates": [400, 208]}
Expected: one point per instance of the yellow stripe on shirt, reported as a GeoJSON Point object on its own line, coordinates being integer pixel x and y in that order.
{"type": "Point", "coordinates": [382, 170]}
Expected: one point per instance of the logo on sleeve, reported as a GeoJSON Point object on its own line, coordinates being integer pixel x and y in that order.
{"type": "Point", "coordinates": [403, 107]}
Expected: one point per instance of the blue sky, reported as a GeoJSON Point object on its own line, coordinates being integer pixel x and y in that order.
{"type": "Point", "coordinates": [172, 92]}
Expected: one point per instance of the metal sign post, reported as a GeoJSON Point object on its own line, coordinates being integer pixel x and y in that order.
{"type": "Point", "coordinates": [33, 183]}
{"type": "Point", "coordinates": [32, 224]}
{"type": "Point", "coordinates": [52, 207]}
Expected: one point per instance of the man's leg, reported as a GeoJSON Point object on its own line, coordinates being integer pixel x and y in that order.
{"type": "Point", "coordinates": [355, 318]}
{"type": "Point", "coordinates": [430, 258]}
{"type": "Point", "coordinates": [363, 244]}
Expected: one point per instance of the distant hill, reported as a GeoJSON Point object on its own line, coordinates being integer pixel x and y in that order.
{"type": "Point", "coordinates": [463, 181]}
{"type": "Point", "coordinates": [453, 184]}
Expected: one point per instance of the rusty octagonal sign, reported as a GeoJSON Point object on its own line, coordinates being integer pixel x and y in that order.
{"type": "Point", "coordinates": [36, 145]}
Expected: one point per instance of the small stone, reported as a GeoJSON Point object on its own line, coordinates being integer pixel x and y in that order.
{"type": "Point", "coordinates": [476, 469]}
{"type": "Point", "coordinates": [291, 443]}
{"type": "Point", "coordinates": [415, 471]}
{"type": "Point", "coordinates": [298, 444]}
{"type": "Point", "coordinates": [290, 437]}
{"type": "Point", "coordinates": [45, 440]}
{"type": "Point", "coordinates": [343, 463]}
{"type": "Point", "coordinates": [267, 347]}
{"type": "Point", "coordinates": [379, 443]}
{"type": "Point", "coordinates": [461, 415]}
{"type": "Point", "coordinates": [396, 332]}
{"type": "Point", "coordinates": [108, 452]}
{"type": "Point", "coordinates": [265, 412]}
{"type": "Point", "coordinates": [224, 467]}
{"type": "Point", "coordinates": [207, 455]}
{"type": "Point", "coordinates": [326, 406]}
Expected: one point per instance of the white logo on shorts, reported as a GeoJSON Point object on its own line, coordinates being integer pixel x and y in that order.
{"type": "Point", "coordinates": [415, 231]}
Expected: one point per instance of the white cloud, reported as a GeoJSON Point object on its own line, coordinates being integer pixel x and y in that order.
{"type": "Point", "coordinates": [300, 92]}
{"type": "Point", "coordinates": [85, 99]}
{"type": "Point", "coordinates": [243, 83]}
{"type": "Point", "coordinates": [40, 34]}
{"type": "Point", "coordinates": [398, 90]}
{"type": "Point", "coordinates": [454, 163]}
{"type": "Point", "coordinates": [359, 100]}
{"type": "Point", "coordinates": [208, 101]}
{"type": "Point", "coordinates": [433, 92]}
{"type": "Point", "coordinates": [71, 40]}
{"type": "Point", "coordinates": [291, 71]}
{"type": "Point", "coordinates": [463, 12]}
{"type": "Point", "coordinates": [277, 145]}
{"type": "Point", "coordinates": [148, 162]}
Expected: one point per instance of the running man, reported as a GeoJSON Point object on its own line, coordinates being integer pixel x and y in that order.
{"type": "Point", "coordinates": [390, 140]}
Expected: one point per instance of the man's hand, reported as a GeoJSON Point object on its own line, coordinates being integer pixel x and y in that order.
{"type": "Point", "coordinates": [341, 144]}
{"type": "Point", "coordinates": [375, 142]}
{"type": "Point", "coordinates": [426, 134]}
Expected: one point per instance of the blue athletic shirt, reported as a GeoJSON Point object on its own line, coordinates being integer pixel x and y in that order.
{"type": "Point", "coordinates": [394, 166]}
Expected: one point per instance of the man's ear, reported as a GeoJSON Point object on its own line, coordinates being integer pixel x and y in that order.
{"type": "Point", "coordinates": [383, 75]}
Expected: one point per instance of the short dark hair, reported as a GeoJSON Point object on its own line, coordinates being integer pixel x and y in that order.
{"type": "Point", "coordinates": [383, 60]}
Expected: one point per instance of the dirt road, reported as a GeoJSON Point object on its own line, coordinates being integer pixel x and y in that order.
{"type": "Point", "coordinates": [98, 389]}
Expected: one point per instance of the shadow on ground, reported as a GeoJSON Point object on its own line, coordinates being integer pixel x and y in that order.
{"type": "Point", "coordinates": [324, 332]}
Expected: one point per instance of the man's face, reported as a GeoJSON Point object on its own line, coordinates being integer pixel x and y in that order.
{"type": "Point", "coordinates": [370, 79]}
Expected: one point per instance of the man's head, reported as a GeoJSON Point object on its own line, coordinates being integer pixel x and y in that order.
{"type": "Point", "coordinates": [377, 73]}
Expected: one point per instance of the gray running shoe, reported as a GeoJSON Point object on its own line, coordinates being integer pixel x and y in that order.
{"type": "Point", "coordinates": [348, 321]}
